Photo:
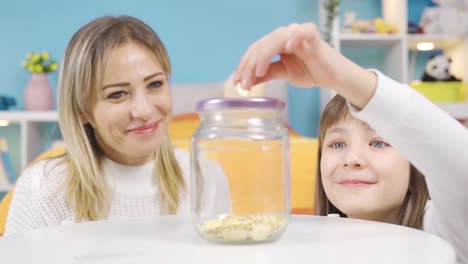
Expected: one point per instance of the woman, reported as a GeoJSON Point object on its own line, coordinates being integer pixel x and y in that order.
{"type": "Point", "coordinates": [114, 107]}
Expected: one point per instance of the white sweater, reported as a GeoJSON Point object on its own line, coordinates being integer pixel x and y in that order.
{"type": "Point", "coordinates": [436, 144]}
{"type": "Point", "coordinates": [39, 199]}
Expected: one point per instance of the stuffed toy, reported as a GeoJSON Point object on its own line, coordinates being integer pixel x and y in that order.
{"type": "Point", "coordinates": [447, 17]}
{"type": "Point", "coordinates": [438, 69]}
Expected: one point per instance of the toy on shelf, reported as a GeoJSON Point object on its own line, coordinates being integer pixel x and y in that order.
{"type": "Point", "coordinates": [377, 25]}
{"type": "Point", "coordinates": [449, 17]}
{"type": "Point", "coordinates": [414, 28]}
{"type": "Point", "coordinates": [438, 69]}
{"type": "Point", "coordinates": [438, 84]}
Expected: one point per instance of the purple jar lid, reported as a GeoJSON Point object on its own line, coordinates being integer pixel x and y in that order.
{"type": "Point", "coordinates": [230, 103]}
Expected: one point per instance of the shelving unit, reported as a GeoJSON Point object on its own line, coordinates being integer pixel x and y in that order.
{"type": "Point", "coordinates": [398, 46]}
{"type": "Point", "coordinates": [370, 39]}
{"type": "Point", "coordinates": [31, 138]}
{"type": "Point", "coordinates": [440, 41]}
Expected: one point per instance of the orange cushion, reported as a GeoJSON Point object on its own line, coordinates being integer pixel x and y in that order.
{"type": "Point", "coordinates": [51, 153]}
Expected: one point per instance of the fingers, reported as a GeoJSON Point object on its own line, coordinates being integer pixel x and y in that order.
{"type": "Point", "coordinates": [257, 60]}
{"type": "Point", "coordinates": [276, 71]}
{"type": "Point", "coordinates": [305, 33]}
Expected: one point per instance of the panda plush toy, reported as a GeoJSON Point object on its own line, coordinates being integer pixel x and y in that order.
{"type": "Point", "coordinates": [438, 70]}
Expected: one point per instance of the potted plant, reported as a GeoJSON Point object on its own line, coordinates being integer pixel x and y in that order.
{"type": "Point", "coordinates": [38, 92]}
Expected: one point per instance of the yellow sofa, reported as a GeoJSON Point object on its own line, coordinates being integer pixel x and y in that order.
{"type": "Point", "coordinates": [4, 204]}
{"type": "Point", "coordinates": [303, 167]}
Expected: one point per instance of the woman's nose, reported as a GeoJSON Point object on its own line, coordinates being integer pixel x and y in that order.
{"type": "Point", "coordinates": [141, 107]}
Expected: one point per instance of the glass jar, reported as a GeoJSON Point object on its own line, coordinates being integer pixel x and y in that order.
{"type": "Point", "coordinates": [240, 182]}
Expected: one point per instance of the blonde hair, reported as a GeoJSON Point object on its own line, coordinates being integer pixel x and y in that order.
{"type": "Point", "coordinates": [412, 209]}
{"type": "Point", "coordinates": [82, 70]}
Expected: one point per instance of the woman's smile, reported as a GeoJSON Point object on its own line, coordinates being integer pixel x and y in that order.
{"type": "Point", "coordinates": [146, 129]}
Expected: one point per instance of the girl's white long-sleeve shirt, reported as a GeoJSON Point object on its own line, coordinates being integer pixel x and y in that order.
{"type": "Point", "coordinates": [436, 144]}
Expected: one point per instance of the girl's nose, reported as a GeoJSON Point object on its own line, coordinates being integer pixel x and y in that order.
{"type": "Point", "coordinates": [354, 158]}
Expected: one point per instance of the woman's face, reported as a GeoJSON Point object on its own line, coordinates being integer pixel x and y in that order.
{"type": "Point", "coordinates": [132, 108]}
{"type": "Point", "coordinates": [363, 176]}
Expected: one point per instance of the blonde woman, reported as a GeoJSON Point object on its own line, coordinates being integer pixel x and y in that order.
{"type": "Point", "coordinates": [371, 135]}
{"type": "Point", "coordinates": [114, 106]}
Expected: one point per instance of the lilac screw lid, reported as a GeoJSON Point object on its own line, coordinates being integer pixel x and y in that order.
{"type": "Point", "coordinates": [232, 103]}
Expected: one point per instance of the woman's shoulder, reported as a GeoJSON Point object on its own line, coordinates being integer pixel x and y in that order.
{"type": "Point", "coordinates": [38, 199]}
{"type": "Point", "coordinates": [44, 174]}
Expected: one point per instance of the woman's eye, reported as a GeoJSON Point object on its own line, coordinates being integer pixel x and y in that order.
{"type": "Point", "coordinates": [337, 145]}
{"type": "Point", "coordinates": [378, 144]}
{"type": "Point", "coordinates": [155, 84]}
{"type": "Point", "coordinates": [116, 95]}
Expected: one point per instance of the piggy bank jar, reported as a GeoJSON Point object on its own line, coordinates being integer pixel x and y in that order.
{"type": "Point", "coordinates": [240, 176]}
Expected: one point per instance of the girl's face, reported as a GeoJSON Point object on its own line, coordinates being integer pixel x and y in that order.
{"type": "Point", "coordinates": [363, 176]}
{"type": "Point", "coordinates": [132, 107]}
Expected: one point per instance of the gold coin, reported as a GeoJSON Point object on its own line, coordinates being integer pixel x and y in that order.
{"type": "Point", "coordinates": [241, 90]}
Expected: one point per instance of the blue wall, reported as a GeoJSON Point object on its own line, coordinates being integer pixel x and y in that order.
{"type": "Point", "coordinates": [205, 38]}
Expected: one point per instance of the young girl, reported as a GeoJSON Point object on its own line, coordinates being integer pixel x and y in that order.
{"type": "Point", "coordinates": [370, 136]}
{"type": "Point", "coordinates": [362, 176]}
{"type": "Point", "coordinates": [114, 107]}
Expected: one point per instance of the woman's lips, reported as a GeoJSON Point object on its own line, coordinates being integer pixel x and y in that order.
{"type": "Point", "coordinates": [355, 183]}
{"type": "Point", "coordinates": [146, 129]}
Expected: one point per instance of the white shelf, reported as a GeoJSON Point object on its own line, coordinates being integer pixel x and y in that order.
{"type": "Point", "coordinates": [31, 138]}
{"type": "Point", "coordinates": [396, 63]}
{"type": "Point", "coordinates": [5, 188]}
{"type": "Point", "coordinates": [456, 110]}
{"type": "Point", "coordinates": [30, 116]}
{"type": "Point", "coordinates": [440, 41]}
{"type": "Point", "coordinates": [370, 39]}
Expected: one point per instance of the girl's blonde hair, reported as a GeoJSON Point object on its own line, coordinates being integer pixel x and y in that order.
{"type": "Point", "coordinates": [412, 210]}
{"type": "Point", "coordinates": [81, 72]}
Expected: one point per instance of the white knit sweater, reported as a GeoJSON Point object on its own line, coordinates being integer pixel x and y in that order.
{"type": "Point", "coordinates": [39, 198]}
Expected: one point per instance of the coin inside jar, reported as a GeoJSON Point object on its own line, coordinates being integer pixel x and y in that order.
{"type": "Point", "coordinates": [253, 228]}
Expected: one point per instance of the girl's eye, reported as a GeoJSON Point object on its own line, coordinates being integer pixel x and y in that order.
{"type": "Point", "coordinates": [378, 144]}
{"type": "Point", "coordinates": [116, 95]}
{"type": "Point", "coordinates": [337, 145]}
{"type": "Point", "coordinates": [155, 84]}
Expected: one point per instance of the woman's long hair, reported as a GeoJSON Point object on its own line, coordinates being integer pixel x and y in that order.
{"type": "Point", "coordinates": [81, 72]}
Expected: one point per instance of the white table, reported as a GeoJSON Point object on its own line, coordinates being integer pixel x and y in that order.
{"type": "Point", "coordinates": [172, 239]}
